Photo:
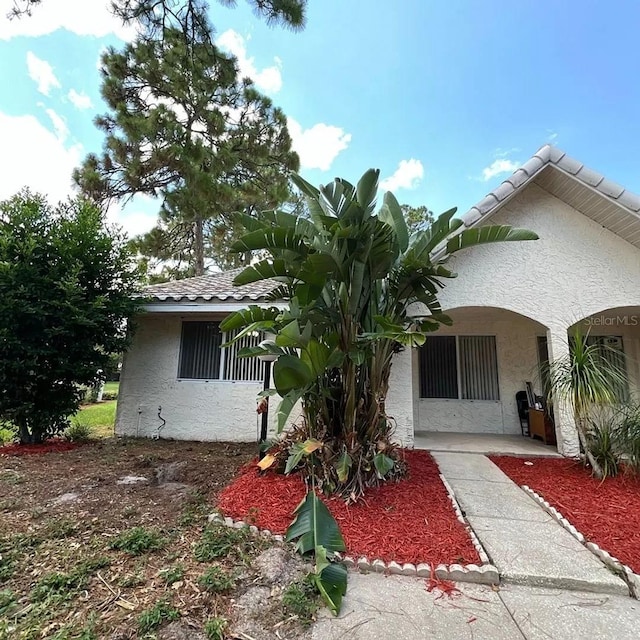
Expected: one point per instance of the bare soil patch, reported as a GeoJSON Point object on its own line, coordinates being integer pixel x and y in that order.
{"type": "Point", "coordinates": [110, 540]}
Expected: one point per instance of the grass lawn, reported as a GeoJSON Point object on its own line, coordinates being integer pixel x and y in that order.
{"type": "Point", "coordinates": [111, 387]}
{"type": "Point", "coordinates": [100, 417]}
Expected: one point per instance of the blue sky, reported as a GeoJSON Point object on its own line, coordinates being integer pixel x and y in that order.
{"type": "Point", "coordinates": [446, 97]}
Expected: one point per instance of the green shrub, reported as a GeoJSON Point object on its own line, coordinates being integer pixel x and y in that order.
{"type": "Point", "coordinates": [78, 432]}
{"type": "Point", "coordinates": [7, 602]}
{"type": "Point", "coordinates": [109, 395]}
{"type": "Point", "coordinates": [7, 433]}
{"type": "Point", "coordinates": [219, 541]}
{"type": "Point", "coordinates": [301, 599]}
{"type": "Point", "coordinates": [157, 615]}
{"type": "Point", "coordinates": [602, 439]}
{"type": "Point", "coordinates": [216, 580]}
{"type": "Point", "coordinates": [172, 574]}
{"type": "Point", "coordinates": [629, 436]}
{"type": "Point", "coordinates": [138, 540]}
{"type": "Point", "coordinates": [214, 628]}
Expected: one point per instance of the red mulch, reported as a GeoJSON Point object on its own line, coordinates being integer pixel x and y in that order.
{"type": "Point", "coordinates": [408, 521]}
{"type": "Point", "coordinates": [51, 446]}
{"type": "Point", "coordinates": [607, 513]}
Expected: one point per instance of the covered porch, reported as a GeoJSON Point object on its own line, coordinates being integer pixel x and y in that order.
{"type": "Point", "coordinates": [464, 380]}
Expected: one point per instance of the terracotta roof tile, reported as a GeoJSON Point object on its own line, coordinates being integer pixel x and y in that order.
{"type": "Point", "coordinates": [213, 286]}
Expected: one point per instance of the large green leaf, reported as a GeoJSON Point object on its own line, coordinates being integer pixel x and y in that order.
{"type": "Point", "coordinates": [248, 316]}
{"type": "Point", "coordinates": [286, 406]}
{"type": "Point", "coordinates": [343, 465]}
{"type": "Point", "coordinates": [298, 451]}
{"type": "Point", "coordinates": [316, 356]}
{"type": "Point", "coordinates": [367, 189]}
{"type": "Point", "coordinates": [314, 526]}
{"type": "Point", "coordinates": [487, 234]}
{"type": "Point", "coordinates": [273, 238]}
{"type": "Point", "coordinates": [383, 464]}
{"type": "Point", "coordinates": [264, 270]}
{"type": "Point", "coordinates": [332, 585]}
{"type": "Point", "coordinates": [289, 373]}
{"type": "Point", "coordinates": [423, 242]}
{"type": "Point", "coordinates": [391, 214]}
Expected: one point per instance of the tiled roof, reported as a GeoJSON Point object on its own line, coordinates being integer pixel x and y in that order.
{"type": "Point", "coordinates": [214, 286]}
{"type": "Point", "coordinates": [550, 156]}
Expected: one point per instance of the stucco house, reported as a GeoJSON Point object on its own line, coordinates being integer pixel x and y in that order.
{"type": "Point", "coordinates": [513, 305]}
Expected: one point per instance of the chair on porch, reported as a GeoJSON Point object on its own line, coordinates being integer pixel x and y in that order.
{"type": "Point", "coordinates": [522, 403]}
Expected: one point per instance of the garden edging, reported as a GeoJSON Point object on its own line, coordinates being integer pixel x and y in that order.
{"type": "Point", "coordinates": [625, 572]}
{"type": "Point", "coordinates": [473, 573]}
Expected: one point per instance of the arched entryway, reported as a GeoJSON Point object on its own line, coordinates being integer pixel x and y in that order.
{"type": "Point", "coordinates": [466, 377]}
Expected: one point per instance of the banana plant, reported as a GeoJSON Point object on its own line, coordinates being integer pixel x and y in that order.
{"type": "Point", "coordinates": [359, 288]}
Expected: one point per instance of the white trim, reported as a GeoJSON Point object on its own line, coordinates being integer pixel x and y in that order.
{"type": "Point", "coordinates": [221, 307]}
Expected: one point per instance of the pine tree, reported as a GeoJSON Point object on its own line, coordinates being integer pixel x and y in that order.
{"type": "Point", "coordinates": [182, 126]}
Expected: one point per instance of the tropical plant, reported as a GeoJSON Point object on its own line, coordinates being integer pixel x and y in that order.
{"type": "Point", "coordinates": [587, 380]}
{"type": "Point", "coordinates": [360, 289]}
{"type": "Point", "coordinates": [317, 532]}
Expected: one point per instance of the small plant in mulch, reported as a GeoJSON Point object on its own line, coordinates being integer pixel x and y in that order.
{"type": "Point", "coordinates": [7, 602]}
{"type": "Point", "coordinates": [78, 432]}
{"type": "Point", "coordinates": [59, 587]}
{"type": "Point", "coordinates": [172, 574]}
{"type": "Point", "coordinates": [214, 628]}
{"type": "Point", "coordinates": [216, 580]}
{"type": "Point", "coordinates": [139, 540]}
{"type": "Point", "coordinates": [300, 599]}
{"type": "Point", "coordinates": [58, 528]}
{"type": "Point", "coordinates": [161, 612]}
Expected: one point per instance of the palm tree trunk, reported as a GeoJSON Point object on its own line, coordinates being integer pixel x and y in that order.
{"type": "Point", "coordinates": [582, 436]}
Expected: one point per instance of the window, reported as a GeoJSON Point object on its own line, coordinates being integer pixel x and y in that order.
{"type": "Point", "coordinates": [611, 350]}
{"type": "Point", "coordinates": [459, 367]}
{"type": "Point", "coordinates": [203, 358]}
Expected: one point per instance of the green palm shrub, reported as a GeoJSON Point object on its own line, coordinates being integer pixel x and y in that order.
{"type": "Point", "coordinates": [590, 383]}
{"type": "Point", "coordinates": [359, 288]}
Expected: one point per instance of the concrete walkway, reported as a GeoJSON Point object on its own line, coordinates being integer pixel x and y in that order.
{"type": "Point", "coordinates": [483, 443]}
{"type": "Point", "coordinates": [526, 545]}
{"type": "Point", "coordinates": [378, 607]}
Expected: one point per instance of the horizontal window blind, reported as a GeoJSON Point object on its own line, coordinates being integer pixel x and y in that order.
{"type": "Point", "coordinates": [478, 368]}
{"type": "Point", "coordinates": [438, 370]}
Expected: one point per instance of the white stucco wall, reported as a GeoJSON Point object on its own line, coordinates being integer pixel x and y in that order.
{"type": "Point", "coordinates": [576, 269]}
{"type": "Point", "coordinates": [517, 356]}
{"type": "Point", "coordinates": [193, 409]}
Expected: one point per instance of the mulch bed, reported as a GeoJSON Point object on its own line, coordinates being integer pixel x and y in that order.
{"type": "Point", "coordinates": [607, 513]}
{"type": "Point", "coordinates": [51, 446]}
{"type": "Point", "coordinates": [409, 521]}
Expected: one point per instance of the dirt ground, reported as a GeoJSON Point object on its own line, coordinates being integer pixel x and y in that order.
{"type": "Point", "coordinates": [67, 571]}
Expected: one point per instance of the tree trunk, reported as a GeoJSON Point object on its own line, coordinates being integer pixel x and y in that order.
{"type": "Point", "coordinates": [584, 441]}
{"type": "Point", "coordinates": [198, 250]}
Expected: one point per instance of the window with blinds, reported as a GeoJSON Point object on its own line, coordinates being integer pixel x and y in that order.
{"type": "Point", "coordinates": [459, 367]}
{"type": "Point", "coordinates": [203, 358]}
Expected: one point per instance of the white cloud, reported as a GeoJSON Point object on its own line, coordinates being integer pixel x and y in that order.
{"type": "Point", "coordinates": [406, 176]}
{"type": "Point", "coordinates": [35, 157]}
{"type": "Point", "coordinates": [80, 100]}
{"type": "Point", "coordinates": [268, 79]}
{"type": "Point", "coordinates": [84, 18]}
{"type": "Point", "coordinates": [59, 125]}
{"type": "Point", "coordinates": [498, 167]}
{"type": "Point", "coordinates": [41, 72]}
{"type": "Point", "coordinates": [132, 221]}
{"type": "Point", "coordinates": [319, 145]}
